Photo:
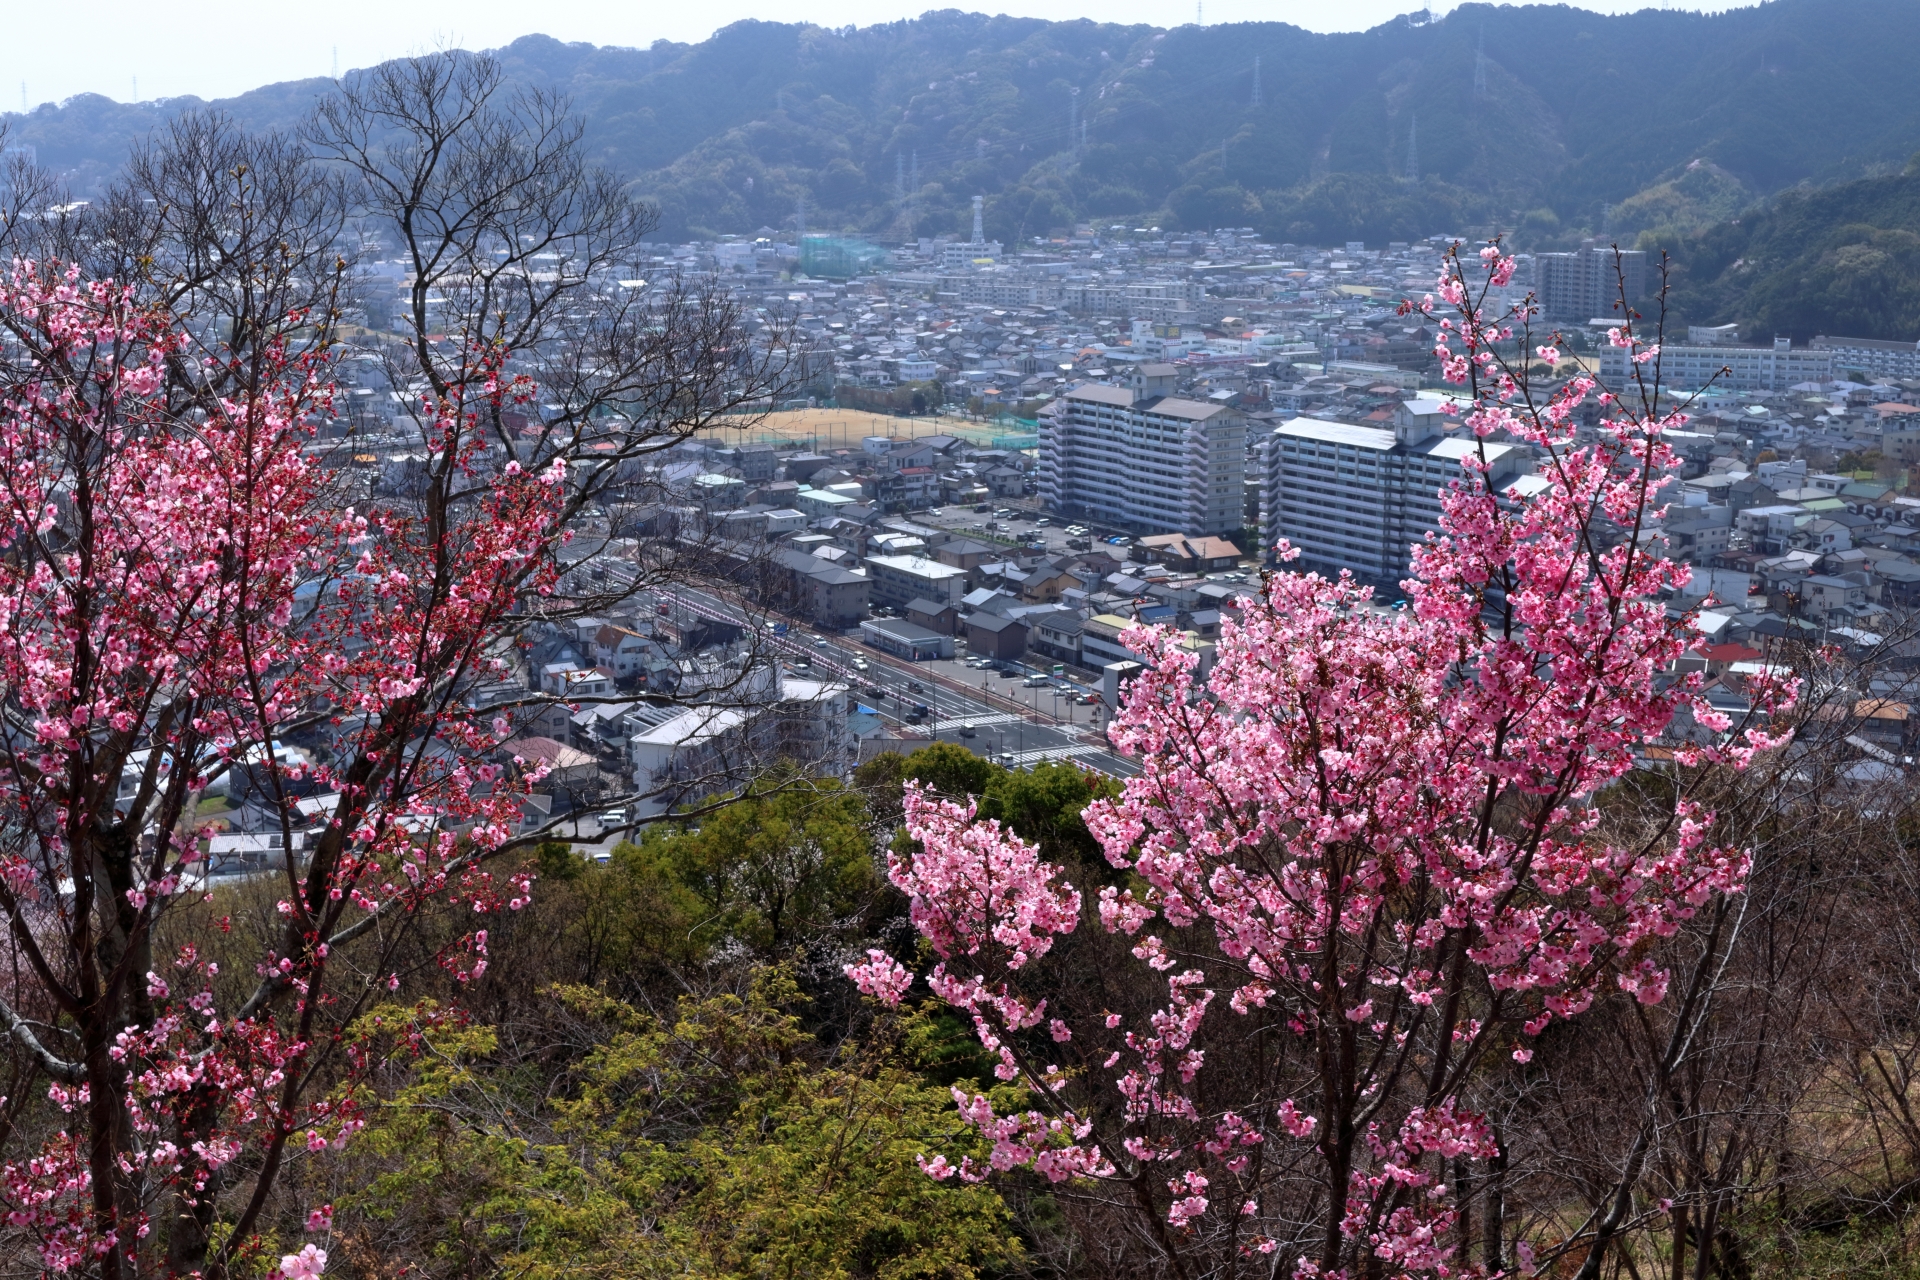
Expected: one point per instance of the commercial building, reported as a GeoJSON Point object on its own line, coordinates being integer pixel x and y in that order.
{"type": "Point", "coordinates": [1141, 459]}
{"type": "Point", "coordinates": [1748, 368]}
{"type": "Point", "coordinates": [905, 639]}
{"type": "Point", "coordinates": [1352, 497]}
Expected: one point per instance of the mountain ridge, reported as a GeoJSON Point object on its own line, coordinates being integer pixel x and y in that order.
{"type": "Point", "coordinates": [1505, 112]}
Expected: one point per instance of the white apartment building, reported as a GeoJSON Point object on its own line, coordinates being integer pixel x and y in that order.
{"type": "Point", "coordinates": [682, 755]}
{"type": "Point", "coordinates": [1874, 356]}
{"type": "Point", "coordinates": [1141, 459]}
{"type": "Point", "coordinates": [1358, 498]}
{"type": "Point", "coordinates": [1686, 366]}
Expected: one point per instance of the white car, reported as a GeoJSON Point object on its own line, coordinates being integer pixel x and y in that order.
{"type": "Point", "coordinates": [861, 664]}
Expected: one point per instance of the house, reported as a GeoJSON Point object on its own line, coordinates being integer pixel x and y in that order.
{"type": "Point", "coordinates": [620, 650]}
{"type": "Point", "coordinates": [992, 635]}
{"type": "Point", "coordinates": [569, 768]}
{"type": "Point", "coordinates": [1055, 633]}
{"type": "Point", "coordinates": [1044, 582]}
{"type": "Point", "coordinates": [964, 553]}
{"type": "Point", "coordinates": [1190, 553]}
{"type": "Point", "coordinates": [934, 615]}
{"type": "Point", "coordinates": [1004, 482]}
{"type": "Point", "coordinates": [566, 682]}
{"type": "Point", "coordinates": [818, 588]}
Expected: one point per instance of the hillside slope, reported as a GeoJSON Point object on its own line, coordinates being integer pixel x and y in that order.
{"type": "Point", "coordinates": [1843, 260]}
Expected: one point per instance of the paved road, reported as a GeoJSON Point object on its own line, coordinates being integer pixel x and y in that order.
{"type": "Point", "coordinates": [1046, 725]}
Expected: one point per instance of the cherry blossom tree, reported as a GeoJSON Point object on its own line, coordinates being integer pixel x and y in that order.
{"type": "Point", "coordinates": [1366, 862]}
{"type": "Point", "coordinates": [178, 595]}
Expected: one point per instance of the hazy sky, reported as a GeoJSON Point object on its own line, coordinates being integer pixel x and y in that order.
{"type": "Point", "coordinates": [217, 48]}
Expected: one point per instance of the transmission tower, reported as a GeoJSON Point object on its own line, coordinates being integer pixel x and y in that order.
{"type": "Point", "coordinates": [1480, 66]}
{"type": "Point", "coordinates": [979, 234]}
{"type": "Point", "coordinates": [1073, 120]}
{"type": "Point", "coordinates": [1256, 80]}
{"type": "Point", "coordinates": [913, 193]}
{"type": "Point", "coordinates": [1413, 148]}
{"type": "Point", "coordinates": [336, 62]}
{"type": "Point", "coordinates": [799, 222]}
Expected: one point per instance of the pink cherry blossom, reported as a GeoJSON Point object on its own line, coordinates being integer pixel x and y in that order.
{"type": "Point", "coordinates": [1370, 832]}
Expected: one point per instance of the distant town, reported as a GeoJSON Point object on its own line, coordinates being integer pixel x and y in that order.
{"type": "Point", "coordinates": [989, 462]}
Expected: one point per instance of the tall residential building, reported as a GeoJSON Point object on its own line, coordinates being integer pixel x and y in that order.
{"type": "Point", "coordinates": [1875, 357]}
{"type": "Point", "coordinates": [1352, 497]}
{"type": "Point", "coordinates": [1686, 366]}
{"type": "Point", "coordinates": [1142, 459]}
{"type": "Point", "coordinates": [1586, 282]}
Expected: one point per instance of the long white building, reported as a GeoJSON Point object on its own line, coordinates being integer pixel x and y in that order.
{"type": "Point", "coordinates": [1141, 459]}
{"type": "Point", "coordinates": [1352, 497]}
{"type": "Point", "coordinates": [1685, 366]}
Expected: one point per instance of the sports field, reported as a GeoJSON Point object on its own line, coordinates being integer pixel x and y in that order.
{"type": "Point", "coordinates": [845, 428]}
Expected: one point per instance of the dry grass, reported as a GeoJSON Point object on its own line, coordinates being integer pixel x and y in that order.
{"type": "Point", "coordinates": [845, 428]}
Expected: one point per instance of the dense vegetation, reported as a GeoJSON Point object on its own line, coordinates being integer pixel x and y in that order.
{"type": "Point", "coordinates": [664, 1070]}
{"type": "Point", "coordinates": [1844, 260]}
{"type": "Point", "coordinates": [731, 134]}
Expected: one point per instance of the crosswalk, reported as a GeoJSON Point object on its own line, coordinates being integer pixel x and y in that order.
{"type": "Point", "coordinates": [976, 721]}
{"type": "Point", "coordinates": [1055, 753]}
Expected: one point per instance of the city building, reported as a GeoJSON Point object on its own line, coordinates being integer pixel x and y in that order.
{"type": "Point", "coordinates": [1142, 459]}
{"type": "Point", "coordinates": [1354, 497]}
{"type": "Point", "coordinates": [1587, 282]}
{"type": "Point", "coordinates": [1686, 366]}
{"type": "Point", "coordinates": [898, 581]}
{"type": "Point", "coordinates": [1879, 359]}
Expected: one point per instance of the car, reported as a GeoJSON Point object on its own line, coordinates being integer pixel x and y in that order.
{"type": "Point", "coordinates": [1007, 672]}
{"type": "Point", "coordinates": [611, 818]}
{"type": "Point", "coordinates": [1079, 544]}
{"type": "Point", "coordinates": [1006, 758]}
{"type": "Point", "coordinates": [1042, 520]}
{"type": "Point", "coordinates": [919, 711]}
{"type": "Point", "coordinates": [1035, 682]}
{"type": "Point", "coordinates": [802, 663]}
{"type": "Point", "coordinates": [861, 664]}
{"type": "Point", "coordinates": [913, 686]}
{"type": "Point", "coordinates": [1063, 687]}
{"type": "Point", "coordinates": [982, 508]}
{"type": "Point", "coordinates": [1003, 512]}
{"type": "Point", "coordinates": [1087, 699]}
{"type": "Point", "coordinates": [968, 731]}
{"type": "Point", "coordinates": [819, 642]}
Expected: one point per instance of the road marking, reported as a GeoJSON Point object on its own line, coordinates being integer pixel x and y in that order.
{"type": "Point", "coordinates": [1056, 753]}
{"type": "Point", "coordinates": [977, 722]}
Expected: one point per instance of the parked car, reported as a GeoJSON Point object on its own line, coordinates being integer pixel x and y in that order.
{"type": "Point", "coordinates": [1036, 682]}
{"type": "Point", "coordinates": [982, 508]}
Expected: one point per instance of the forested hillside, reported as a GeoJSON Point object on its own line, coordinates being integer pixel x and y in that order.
{"type": "Point", "coordinates": [1844, 260]}
{"type": "Point", "coordinates": [1535, 117]}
